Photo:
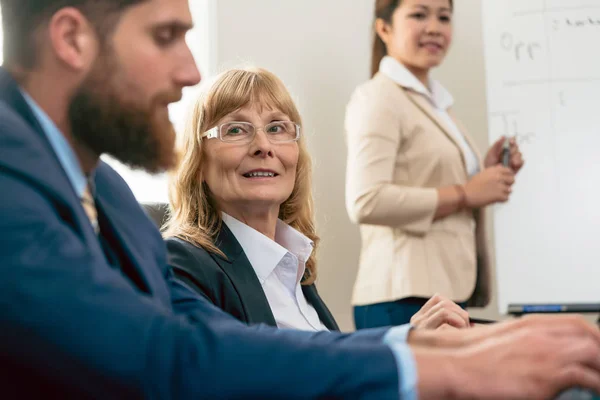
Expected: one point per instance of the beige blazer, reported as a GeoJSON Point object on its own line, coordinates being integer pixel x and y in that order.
{"type": "Point", "coordinates": [399, 153]}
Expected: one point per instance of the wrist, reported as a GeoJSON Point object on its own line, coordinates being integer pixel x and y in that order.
{"type": "Point", "coordinates": [438, 339]}
{"type": "Point", "coordinates": [438, 374]}
{"type": "Point", "coordinates": [462, 196]}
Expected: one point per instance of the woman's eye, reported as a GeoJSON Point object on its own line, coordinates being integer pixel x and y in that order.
{"type": "Point", "coordinates": [418, 16]}
{"type": "Point", "coordinates": [235, 131]}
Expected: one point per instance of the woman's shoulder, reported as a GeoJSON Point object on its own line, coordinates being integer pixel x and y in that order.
{"type": "Point", "coordinates": [186, 255]}
{"type": "Point", "coordinates": [379, 84]}
{"type": "Point", "coordinates": [379, 99]}
{"type": "Point", "coordinates": [379, 91]}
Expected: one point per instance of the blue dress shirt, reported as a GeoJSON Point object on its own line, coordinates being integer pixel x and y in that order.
{"type": "Point", "coordinates": [407, 368]}
{"type": "Point", "coordinates": [66, 156]}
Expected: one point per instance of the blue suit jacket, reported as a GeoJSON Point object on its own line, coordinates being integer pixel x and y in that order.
{"type": "Point", "coordinates": [72, 326]}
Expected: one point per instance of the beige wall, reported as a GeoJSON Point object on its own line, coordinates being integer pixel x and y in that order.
{"type": "Point", "coordinates": [320, 48]}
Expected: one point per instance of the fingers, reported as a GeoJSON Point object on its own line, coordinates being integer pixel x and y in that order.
{"type": "Point", "coordinates": [439, 311]}
{"type": "Point", "coordinates": [446, 328]}
{"type": "Point", "coordinates": [436, 319]}
{"type": "Point", "coordinates": [494, 153]}
{"type": "Point", "coordinates": [505, 172]}
{"type": "Point", "coordinates": [516, 162]}
{"type": "Point", "coordinates": [516, 158]}
{"type": "Point", "coordinates": [584, 351]}
{"type": "Point", "coordinates": [453, 319]}
{"type": "Point", "coordinates": [431, 302]}
{"type": "Point", "coordinates": [568, 325]}
{"type": "Point", "coordinates": [508, 179]}
{"type": "Point", "coordinates": [577, 376]}
{"type": "Point", "coordinates": [502, 170]}
{"type": "Point", "coordinates": [535, 357]}
{"type": "Point", "coordinates": [576, 351]}
{"type": "Point", "coordinates": [505, 178]}
{"type": "Point", "coordinates": [454, 309]}
{"type": "Point", "coordinates": [447, 315]}
{"type": "Point", "coordinates": [496, 148]}
{"type": "Point", "coordinates": [417, 319]}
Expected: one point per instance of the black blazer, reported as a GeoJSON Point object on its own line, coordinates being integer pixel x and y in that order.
{"type": "Point", "coordinates": [231, 283]}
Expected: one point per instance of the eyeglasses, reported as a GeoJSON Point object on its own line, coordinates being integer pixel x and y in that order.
{"type": "Point", "coordinates": [244, 132]}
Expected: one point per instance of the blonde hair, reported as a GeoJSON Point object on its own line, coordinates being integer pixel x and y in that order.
{"type": "Point", "coordinates": [194, 216]}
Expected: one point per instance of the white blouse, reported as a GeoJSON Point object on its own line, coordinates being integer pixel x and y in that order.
{"type": "Point", "coordinates": [279, 266]}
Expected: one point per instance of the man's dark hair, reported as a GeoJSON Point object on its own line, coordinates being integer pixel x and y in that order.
{"type": "Point", "coordinates": [21, 19]}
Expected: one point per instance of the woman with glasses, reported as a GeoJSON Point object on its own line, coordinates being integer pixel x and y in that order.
{"type": "Point", "coordinates": [415, 182]}
{"type": "Point", "coordinates": [241, 230]}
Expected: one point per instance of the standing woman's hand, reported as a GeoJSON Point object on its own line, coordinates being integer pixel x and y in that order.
{"type": "Point", "coordinates": [494, 155]}
{"type": "Point", "coordinates": [492, 185]}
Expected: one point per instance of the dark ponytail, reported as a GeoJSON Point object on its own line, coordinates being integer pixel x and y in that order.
{"type": "Point", "coordinates": [384, 9]}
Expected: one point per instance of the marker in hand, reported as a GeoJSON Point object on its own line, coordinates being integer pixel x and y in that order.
{"type": "Point", "coordinates": [506, 153]}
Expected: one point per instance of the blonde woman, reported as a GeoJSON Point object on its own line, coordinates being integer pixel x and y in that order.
{"type": "Point", "coordinates": [416, 183]}
{"type": "Point", "coordinates": [241, 231]}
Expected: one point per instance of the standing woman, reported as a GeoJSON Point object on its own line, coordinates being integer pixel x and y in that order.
{"type": "Point", "coordinates": [415, 181]}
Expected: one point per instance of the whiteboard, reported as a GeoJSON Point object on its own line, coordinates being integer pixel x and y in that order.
{"type": "Point", "coordinates": [542, 61]}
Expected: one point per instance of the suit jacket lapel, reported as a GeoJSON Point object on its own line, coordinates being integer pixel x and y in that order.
{"type": "Point", "coordinates": [423, 104]}
{"type": "Point", "coordinates": [244, 279]}
{"type": "Point", "coordinates": [313, 298]}
{"type": "Point", "coordinates": [31, 143]}
{"type": "Point", "coordinates": [126, 232]}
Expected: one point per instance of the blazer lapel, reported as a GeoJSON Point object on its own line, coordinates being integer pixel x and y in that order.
{"type": "Point", "coordinates": [467, 135]}
{"type": "Point", "coordinates": [313, 298]}
{"type": "Point", "coordinates": [423, 104]}
{"type": "Point", "coordinates": [125, 230]}
{"type": "Point", "coordinates": [244, 279]}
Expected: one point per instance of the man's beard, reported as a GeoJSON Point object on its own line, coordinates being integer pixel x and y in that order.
{"type": "Point", "coordinates": [106, 120]}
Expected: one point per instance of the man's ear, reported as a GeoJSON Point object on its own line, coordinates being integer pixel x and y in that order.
{"type": "Point", "coordinates": [383, 30]}
{"type": "Point", "coordinates": [73, 39]}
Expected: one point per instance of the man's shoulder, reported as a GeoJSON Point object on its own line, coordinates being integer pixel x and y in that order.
{"type": "Point", "coordinates": [15, 132]}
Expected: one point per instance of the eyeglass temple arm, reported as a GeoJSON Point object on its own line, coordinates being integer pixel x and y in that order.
{"type": "Point", "coordinates": [211, 133]}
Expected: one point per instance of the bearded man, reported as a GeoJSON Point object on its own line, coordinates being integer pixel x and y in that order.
{"type": "Point", "coordinates": [88, 308]}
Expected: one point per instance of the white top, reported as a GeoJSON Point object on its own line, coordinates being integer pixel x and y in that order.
{"type": "Point", "coordinates": [440, 99]}
{"type": "Point", "coordinates": [279, 266]}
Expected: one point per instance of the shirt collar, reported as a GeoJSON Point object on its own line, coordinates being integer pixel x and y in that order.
{"type": "Point", "coordinates": [265, 254]}
{"type": "Point", "coordinates": [67, 158]}
{"type": "Point", "coordinates": [438, 96]}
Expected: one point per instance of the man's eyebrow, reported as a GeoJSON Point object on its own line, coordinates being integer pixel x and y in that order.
{"type": "Point", "coordinates": [176, 25]}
